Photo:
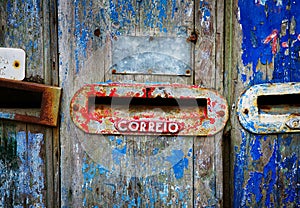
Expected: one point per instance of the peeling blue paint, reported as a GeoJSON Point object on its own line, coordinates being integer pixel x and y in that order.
{"type": "Point", "coordinates": [258, 22]}
{"type": "Point", "coordinates": [289, 164]}
{"type": "Point", "coordinates": [254, 186]}
{"type": "Point", "coordinates": [240, 167]}
{"type": "Point", "coordinates": [179, 163]}
{"type": "Point", "coordinates": [268, 38]}
{"type": "Point", "coordinates": [118, 153]}
{"type": "Point", "coordinates": [256, 148]}
{"type": "Point", "coordinates": [82, 31]}
{"type": "Point", "coordinates": [270, 177]}
{"type": "Point", "coordinates": [22, 176]}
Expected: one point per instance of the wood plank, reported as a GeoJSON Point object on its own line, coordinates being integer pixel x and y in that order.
{"type": "Point", "coordinates": [261, 163]}
{"type": "Point", "coordinates": [208, 178]}
{"type": "Point", "coordinates": [26, 25]}
{"type": "Point", "coordinates": [120, 171]}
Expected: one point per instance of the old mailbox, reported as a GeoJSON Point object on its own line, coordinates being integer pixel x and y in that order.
{"type": "Point", "coordinates": [270, 108]}
{"type": "Point", "coordinates": [148, 109]}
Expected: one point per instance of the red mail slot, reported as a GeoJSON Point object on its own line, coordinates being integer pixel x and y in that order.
{"type": "Point", "coordinates": [148, 109]}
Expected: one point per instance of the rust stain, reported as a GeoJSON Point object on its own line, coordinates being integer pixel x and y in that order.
{"type": "Point", "coordinates": [193, 37]}
{"type": "Point", "coordinates": [270, 108]}
{"type": "Point", "coordinates": [16, 64]}
{"type": "Point", "coordinates": [49, 103]}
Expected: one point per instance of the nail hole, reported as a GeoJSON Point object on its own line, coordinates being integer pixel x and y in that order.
{"type": "Point", "coordinates": [246, 111]}
{"type": "Point", "coordinates": [16, 64]}
{"type": "Point", "coordinates": [97, 32]}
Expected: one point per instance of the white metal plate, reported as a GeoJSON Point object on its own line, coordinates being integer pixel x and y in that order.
{"type": "Point", "coordinates": [12, 63]}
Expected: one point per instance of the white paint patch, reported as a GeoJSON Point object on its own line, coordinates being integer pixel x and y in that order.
{"type": "Point", "coordinates": [12, 63]}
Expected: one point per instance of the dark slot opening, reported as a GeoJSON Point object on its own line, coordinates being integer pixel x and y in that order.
{"type": "Point", "coordinates": [16, 98]}
{"type": "Point", "coordinates": [133, 102]}
{"type": "Point", "coordinates": [279, 104]}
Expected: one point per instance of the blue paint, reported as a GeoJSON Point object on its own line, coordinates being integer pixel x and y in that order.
{"type": "Point", "coordinates": [162, 15]}
{"type": "Point", "coordinates": [90, 172]}
{"type": "Point", "coordinates": [149, 20]}
{"type": "Point", "coordinates": [258, 21]}
{"type": "Point", "coordinates": [256, 148]}
{"type": "Point", "coordinates": [254, 187]}
{"type": "Point", "coordinates": [157, 14]}
{"type": "Point", "coordinates": [118, 153]}
{"type": "Point", "coordinates": [270, 177]}
{"type": "Point", "coordinates": [289, 164]}
{"type": "Point", "coordinates": [119, 141]}
{"type": "Point", "coordinates": [179, 163]}
{"type": "Point", "coordinates": [240, 167]}
{"type": "Point", "coordinates": [123, 16]}
{"type": "Point", "coordinates": [155, 151]}
{"type": "Point", "coordinates": [82, 32]}
{"type": "Point", "coordinates": [204, 8]}
{"type": "Point", "coordinates": [7, 115]}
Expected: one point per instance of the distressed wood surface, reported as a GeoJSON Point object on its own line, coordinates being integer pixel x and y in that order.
{"type": "Point", "coordinates": [28, 176]}
{"type": "Point", "coordinates": [262, 47]}
{"type": "Point", "coordinates": [139, 171]}
{"type": "Point", "coordinates": [208, 170]}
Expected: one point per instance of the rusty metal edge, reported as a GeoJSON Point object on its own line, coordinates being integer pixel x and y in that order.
{"type": "Point", "coordinates": [49, 107]}
{"type": "Point", "coordinates": [247, 109]}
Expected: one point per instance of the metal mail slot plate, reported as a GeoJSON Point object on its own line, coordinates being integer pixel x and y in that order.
{"type": "Point", "coordinates": [270, 108]}
{"type": "Point", "coordinates": [12, 63]}
{"type": "Point", "coordinates": [148, 109]}
{"type": "Point", "coordinates": [19, 99]}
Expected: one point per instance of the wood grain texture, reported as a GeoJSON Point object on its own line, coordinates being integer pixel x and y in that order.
{"type": "Point", "coordinates": [26, 25]}
{"type": "Point", "coordinates": [209, 73]}
{"type": "Point", "coordinates": [120, 171]}
{"type": "Point", "coordinates": [264, 168]}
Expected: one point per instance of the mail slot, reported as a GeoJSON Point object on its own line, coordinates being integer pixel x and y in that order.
{"type": "Point", "coordinates": [148, 109]}
{"type": "Point", "coordinates": [270, 108]}
{"type": "Point", "coordinates": [29, 102]}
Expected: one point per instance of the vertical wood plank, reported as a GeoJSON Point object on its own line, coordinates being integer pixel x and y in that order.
{"type": "Point", "coordinates": [27, 25]}
{"type": "Point", "coordinates": [107, 171]}
{"type": "Point", "coordinates": [208, 176]}
{"type": "Point", "coordinates": [264, 167]}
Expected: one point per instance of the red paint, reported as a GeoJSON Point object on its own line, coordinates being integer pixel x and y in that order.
{"type": "Point", "coordinates": [144, 120]}
{"type": "Point", "coordinates": [273, 36]}
{"type": "Point", "coordinates": [113, 92]}
{"type": "Point", "coordinates": [285, 45]}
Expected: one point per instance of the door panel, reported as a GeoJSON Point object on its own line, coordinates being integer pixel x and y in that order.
{"type": "Point", "coordinates": [29, 153]}
{"type": "Point", "coordinates": [263, 49]}
{"type": "Point", "coordinates": [141, 171]}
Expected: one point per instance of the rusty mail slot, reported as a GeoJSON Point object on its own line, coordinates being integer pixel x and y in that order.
{"type": "Point", "coordinates": [148, 109]}
{"type": "Point", "coordinates": [270, 108]}
{"type": "Point", "coordinates": [29, 102]}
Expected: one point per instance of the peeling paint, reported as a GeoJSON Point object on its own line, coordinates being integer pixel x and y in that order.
{"type": "Point", "coordinates": [265, 38]}
{"type": "Point", "coordinates": [22, 170]}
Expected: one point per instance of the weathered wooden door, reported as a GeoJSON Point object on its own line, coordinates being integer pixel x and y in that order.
{"type": "Point", "coordinates": [139, 171]}
{"type": "Point", "coordinates": [263, 47]}
{"type": "Point", "coordinates": [223, 45]}
{"type": "Point", "coordinates": [29, 153]}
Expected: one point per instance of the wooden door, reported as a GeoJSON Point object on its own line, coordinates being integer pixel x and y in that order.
{"type": "Point", "coordinates": [29, 154]}
{"type": "Point", "coordinates": [229, 47]}
{"type": "Point", "coordinates": [138, 171]}
{"type": "Point", "coordinates": [264, 49]}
